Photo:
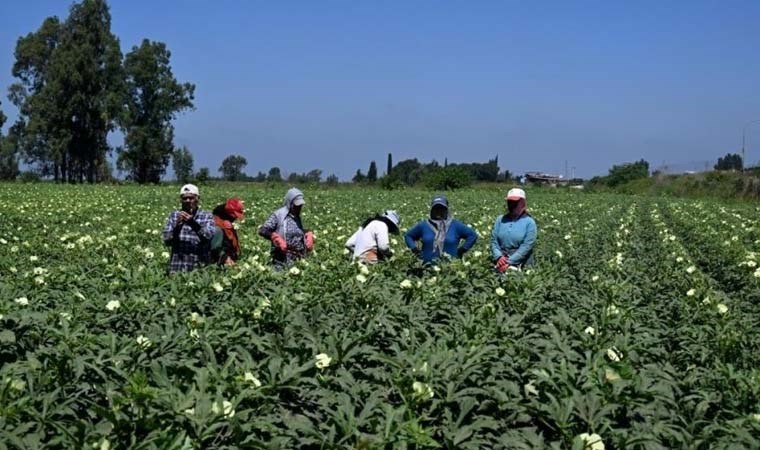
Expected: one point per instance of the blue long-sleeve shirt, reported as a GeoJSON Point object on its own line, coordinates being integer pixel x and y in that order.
{"type": "Point", "coordinates": [514, 239]}
{"type": "Point", "coordinates": [425, 232]}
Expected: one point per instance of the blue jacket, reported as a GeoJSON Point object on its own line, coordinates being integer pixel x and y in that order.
{"type": "Point", "coordinates": [514, 239]}
{"type": "Point", "coordinates": [424, 232]}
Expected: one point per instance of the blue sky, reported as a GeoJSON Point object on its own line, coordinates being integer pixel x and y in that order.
{"type": "Point", "coordinates": [336, 84]}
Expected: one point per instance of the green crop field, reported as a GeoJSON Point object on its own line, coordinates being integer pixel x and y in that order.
{"type": "Point", "coordinates": [639, 327]}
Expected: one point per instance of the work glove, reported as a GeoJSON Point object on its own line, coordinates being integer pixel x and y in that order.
{"type": "Point", "coordinates": [309, 240]}
{"type": "Point", "coordinates": [501, 264]}
{"type": "Point", "coordinates": [279, 242]}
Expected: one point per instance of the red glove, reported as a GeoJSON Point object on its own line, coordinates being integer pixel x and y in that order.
{"type": "Point", "coordinates": [309, 240]}
{"type": "Point", "coordinates": [279, 242]}
{"type": "Point", "coordinates": [501, 264]}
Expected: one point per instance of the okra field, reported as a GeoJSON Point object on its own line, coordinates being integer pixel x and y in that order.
{"type": "Point", "coordinates": [638, 327]}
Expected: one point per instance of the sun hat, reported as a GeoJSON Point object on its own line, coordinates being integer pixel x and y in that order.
{"type": "Point", "coordinates": [392, 216]}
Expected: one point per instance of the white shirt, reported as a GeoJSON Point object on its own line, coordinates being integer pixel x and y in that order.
{"type": "Point", "coordinates": [372, 237]}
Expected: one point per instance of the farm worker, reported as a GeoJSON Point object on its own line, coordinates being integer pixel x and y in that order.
{"type": "Point", "coordinates": [225, 245]}
{"type": "Point", "coordinates": [370, 243]}
{"type": "Point", "coordinates": [514, 234]}
{"type": "Point", "coordinates": [188, 232]}
{"type": "Point", "coordinates": [440, 234]}
{"type": "Point", "coordinates": [290, 241]}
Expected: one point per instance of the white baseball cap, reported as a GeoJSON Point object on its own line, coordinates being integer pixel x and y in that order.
{"type": "Point", "coordinates": [515, 194]}
{"type": "Point", "coordinates": [189, 189]}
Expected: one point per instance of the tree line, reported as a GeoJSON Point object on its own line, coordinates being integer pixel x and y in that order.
{"type": "Point", "coordinates": [74, 86]}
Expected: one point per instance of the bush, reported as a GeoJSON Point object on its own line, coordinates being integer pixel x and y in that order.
{"type": "Point", "coordinates": [391, 182]}
{"type": "Point", "coordinates": [448, 178]}
{"type": "Point", "coordinates": [29, 177]}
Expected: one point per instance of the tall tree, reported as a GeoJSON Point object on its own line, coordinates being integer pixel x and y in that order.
{"type": "Point", "coordinates": [154, 98]}
{"type": "Point", "coordinates": [232, 167]}
{"type": "Point", "coordinates": [359, 177]}
{"type": "Point", "coordinates": [390, 164]}
{"type": "Point", "coordinates": [182, 163]}
{"type": "Point", "coordinates": [8, 159]}
{"type": "Point", "coordinates": [732, 161]}
{"type": "Point", "coordinates": [372, 172]}
{"type": "Point", "coordinates": [203, 175]}
{"type": "Point", "coordinates": [274, 174]}
{"type": "Point", "coordinates": [69, 93]}
{"type": "Point", "coordinates": [408, 171]}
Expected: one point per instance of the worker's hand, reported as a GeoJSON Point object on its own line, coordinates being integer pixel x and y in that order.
{"type": "Point", "coordinates": [183, 217]}
{"type": "Point", "coordinates": [416, 251]}
{"type": "Point", "coordinates": [279, 242]}
{"type": "Point", "coordinates": [229, 262]}
{"type": "Point", "coordinates": [501, 264]}
{"type": "Point", "coordinates": [309, 240]}
{"type": "Point", "coordinates": [461, 251]}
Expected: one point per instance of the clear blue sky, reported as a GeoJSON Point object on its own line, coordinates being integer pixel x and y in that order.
{"type": "Point", "coordinates": [335, 84]}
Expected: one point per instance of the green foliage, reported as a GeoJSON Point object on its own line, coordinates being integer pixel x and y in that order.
{"type": "Point", "coordinates": [717, 184]}
{"type": "Point", "coordinates": [312, 177]}
{"type": "Point", "coordinates": [154, 98]}
{"type": "Point", "coordinates": [8, 152]}
{"type": "Point", "coordinates": [70, 92]}
{"type": "Point", "coordinates": [359, 177]}
{"type": "Point", "coordinates": [390, 182]}
{"type": "Point", "coordinates": [623, 173]}
{"type": "Point", "coordinates": [638, 327]}
{"type": "Point", "coordinates": [29, 176]}
{"type": "Point", "coordinates": [488, 172]}
{"type": "Point", "coordinates": [232, 168]}
{"type": "Point", "coordinates": [408, 171]}
{"type": "Point", "coordinates": [372, 172]}
{"type": "Point", "coordinates": [448, 178]}
{"type": "Point", "coordinates": [203, 175]}
{"type": "Point", "coordinates": [389, 165]}
{"type": "Point", "coordinates": [182, 164]}
{"type": "Point", "coordinates": [274, 175]}
{"type": "Point", "coordinates": [731, 161]}
{"type": "Point", "coordinates": [332, 180]}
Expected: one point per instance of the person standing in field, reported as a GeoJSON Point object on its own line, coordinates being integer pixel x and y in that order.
{"type": "Point", "coordinates": [514, 234]}
{"type": "Point", "coordinates": [225, 245]}
{"type": "Point", "coordinates": [290, 241]}
{"type": "Point", "coordinates": [440, 234]}
{"type": "Point", "coordinates": [371, 242]}
{"type": "Point", "coordinates": [188, 232]}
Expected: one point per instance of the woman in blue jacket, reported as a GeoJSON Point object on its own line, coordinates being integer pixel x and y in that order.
{"type": "Point", "coordinates": [440, 234]}
{"type": "Point", "coordinates": [514, 234]}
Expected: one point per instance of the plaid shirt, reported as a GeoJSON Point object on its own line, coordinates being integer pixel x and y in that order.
{"type": "Point", "coordinates": [190, 248]}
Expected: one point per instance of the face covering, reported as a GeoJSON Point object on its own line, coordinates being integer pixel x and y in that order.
{"type": "Point", "coordinates": [441, 228]}
{"type": "Point", "coordinates": [516, 208]}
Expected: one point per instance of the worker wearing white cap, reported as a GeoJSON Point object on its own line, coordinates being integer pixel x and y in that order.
{"type": "Point", "coordinates": [371, 242]}
{"type": "Point", "coordinates": [188, 232]}
{"type": "Point", "coordinates": [514, 234]}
